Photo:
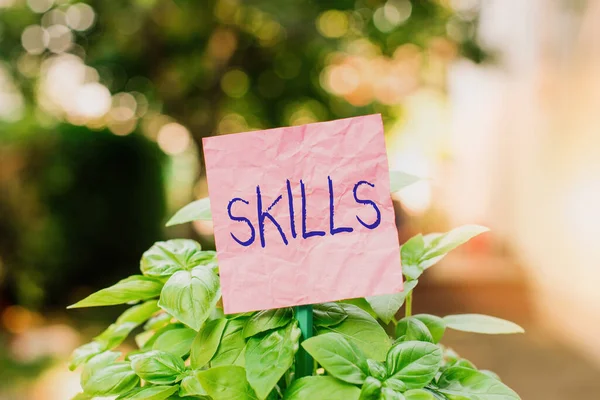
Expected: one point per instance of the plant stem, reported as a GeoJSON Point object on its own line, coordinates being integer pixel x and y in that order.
{"type": "Point", "coordinates": [304, 362]}
{"type": "Point", "coordinates": [408, 305]}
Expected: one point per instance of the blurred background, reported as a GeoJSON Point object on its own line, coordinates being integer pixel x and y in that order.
{"type": "Point", "coordinates": [103, 106]}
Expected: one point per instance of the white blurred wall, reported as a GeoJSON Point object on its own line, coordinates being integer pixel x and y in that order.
{"type": "Point", "coordinates": [526, 140]}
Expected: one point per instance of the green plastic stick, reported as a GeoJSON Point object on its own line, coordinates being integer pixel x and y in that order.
{"type": "Point", "coordinates": [304, 362]}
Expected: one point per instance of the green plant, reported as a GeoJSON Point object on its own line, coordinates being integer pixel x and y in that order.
{"type": "Point", "coordinates": [189, 349]}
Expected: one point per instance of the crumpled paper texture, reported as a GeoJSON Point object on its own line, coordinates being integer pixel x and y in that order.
{"type": "Point", "coordinates": [317, 269]}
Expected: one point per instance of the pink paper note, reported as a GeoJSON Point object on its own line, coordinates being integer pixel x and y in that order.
{"type": "Point", "coordinates": [275, 250]}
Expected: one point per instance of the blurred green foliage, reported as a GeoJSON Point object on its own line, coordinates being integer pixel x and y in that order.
{"type": "Point", "coordinates": [80, 208]}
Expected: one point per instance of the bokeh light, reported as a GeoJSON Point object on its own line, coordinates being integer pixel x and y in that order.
{"type": "Point", "coordinates": [80, 17]}
{"type": "Point", "coordinates": [235, 83]}
{"type": "Point", "coordinates": [173, 138]}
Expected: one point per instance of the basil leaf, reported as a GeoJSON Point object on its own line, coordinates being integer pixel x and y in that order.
{"type": "Point", "coordinates": [361, 303]}
{"type": "Point", "coordinates": [410, 254]}
{"type": "Point", "coordinates": [196, 210]}
{"type": "Point", "coordinates": [134, 288]}
{"type": "Point", "coordinates": [81, 396]}
{"type": "Point", "coordinates": [370, 390]}
{"type": "Point", "coordinates": [175, 341]}
{"type": "Point", "coordinates": [362, 330]}
{"type": "Point", "coordinates": [478, 323]}
{"type": "Point", "coordinates": [339, 357]}
{"type": "Point", "coordinates": [377, 369]}
{"type": "Point", "coordinates": [232, 349]}
{"type": "Point", "coordinates": [159, 321]}
{"type": "Point", "coordinates": [190, 296]}
{"type": "Point", "coordinates": [395, 385]}
{"type": "Point", "coordinates": [103, 376]}
{"type": "Point", "coordinates": [269, 356]}
{"type": "Point", "coordinates": [226, 383]}
{"type": "Point", "coordinates": [414, 363]}
{"type": "Point", "coordinates": [84, 353]}
{"type": "Point", "coordinates": [321, 388]}
{"type": "Point", "coordinates": [399, 180]}
{"type": "Point", "coordinates": [158, 367]}
{"type": "Point", "coordinates": [421, 252]}
{"type": "Point", "coordinates": [387, 305]}
{"type": "Point", "coordinates": [410, 328]}
{"type": "Point", "coordinates": [418, 394]}
{"type": "Point", "coordinates": [150, 393]}
{"type": "Point", "coordinates": [150, 342]}
{"type": "Point", "coordinates": [206, 342]}
{"type": "Point", "coordinates": [389, 394]}
{"type": "Point", "coordinates": [191, 386]}
{"type": "Point", "coordinates": [267, 320]}
{"type": "Point", "coordinates": [163, 259]}
{"type": "Point", "coordinates": [491, 374]}
{"type": "Point", "coordinates": [434, 324]}
{"type": "Point", "coordinates": [458, 383]}
{"type": "Point", "coordinates": [116, 333]}
{"type": "Point", "coordinates": [444, 243]}
{"type": "Point", "coordinates": [328, 314]}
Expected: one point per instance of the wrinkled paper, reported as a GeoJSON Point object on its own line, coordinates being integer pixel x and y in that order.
{"type": "Point", "coordinates": [364, 262]}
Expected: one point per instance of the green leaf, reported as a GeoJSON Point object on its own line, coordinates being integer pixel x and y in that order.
{"type": "Point", "coordinates": [158, 367]}
{"type": "Point", "coordinates": [435, 325]}
{"type": "Point", "coordinates": [418, 394]}
{"type": "Point", "coordinates": [421, 252]}
{"type": "Point", "coordinates": [191, 386]}
{"type": "Point", "coordinates": [159, 321]}
{"type": "Point", "coordinates": [226, 383]}
{"type": "Point", "coordinates": [196, 210]}
{"type": "Point", "coordinates": [175, 341]}
{"type": "Point", "coordinates": [134, 288]}
{"type": "Point", "coordinates": [84, 353]}
{"type": "Point", "coordinates": [458, 383]}
{"type": "Point", "coordinates": [163, 259]}
{"type": "Point", "coordinates": [269, 356]}
{"type": "Point", "coordinates": [371, 389]}
{"type": "Point", "coordinates": [267, 320]}
{"type": "Point", "coordinates": [207, 341]}
{"type": "Point", "coordinates": [464, 363]}
{"type": "Point", "coordinates": [339, 357]}
{"type": "Point", "coordinates": [104, 376]}
{"type": "Point", "coordinates": [491, 374]}
{"type": "Point", "coordinates": [328, 314]}
{"type": "Point", "coordinates": [395, 384]}
{"type": "Point", "coordinates": [139, 313]}
{"type": "Point", "coordinates": [361, 303]}
{"type": "Point", "coordinates": [386, 306]}
{"type": "Point", "coordinates": [362, 330]}
{"type": "Point", "coordinates": [232, 349]}
{"type": "Point", "coordinates": [321, 388]}
{"type": "Point", "coordinates": [414, 363]}
{"type": "Point", "coordinates": [81, 396]}
{"type": "Point", "coordinates": [190, 296]}
{"type": "Point", "coordinates": [150, 342]}
{"type": "Point", "coordinates": [116, 333]}
{"type": "Point", "coordinates": [389, 394]}
{"type": "Point", "coordinates": [150, 393]}
{"type": "Point", "coordinates": [399, 180]}
{"type": "Point", "coordinates": [444, 243]}
{"type": "Point", "coordinates": [410, 328]}
{"type": "Point", "coordinates": [478, 323]}
{"type": "Point", "coordinates": [377, 369]}
{"type": "Point", "coordinates": [410, 254]}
